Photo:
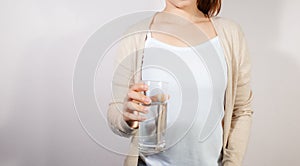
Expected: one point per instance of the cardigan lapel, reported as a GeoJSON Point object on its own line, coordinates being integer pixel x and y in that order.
{"type": "Point", "coordinates": [225, 42]}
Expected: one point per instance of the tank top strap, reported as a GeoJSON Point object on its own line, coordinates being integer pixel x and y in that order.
{"type": "Point", "coordinates": [149, 34]}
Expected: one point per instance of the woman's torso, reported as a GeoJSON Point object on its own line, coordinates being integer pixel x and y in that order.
{"type": "Point", "coordinates": [208, 67]}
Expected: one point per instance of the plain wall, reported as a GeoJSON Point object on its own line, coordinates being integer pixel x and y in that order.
{"type": "Point", "coordinates": [40, 41]}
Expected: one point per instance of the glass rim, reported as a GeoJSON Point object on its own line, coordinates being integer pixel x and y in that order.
{"type": "Point", "coordinates": [155, 81]}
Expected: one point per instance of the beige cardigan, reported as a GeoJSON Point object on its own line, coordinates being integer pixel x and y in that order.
{"type": "Point", "coordinates": [238, 96]}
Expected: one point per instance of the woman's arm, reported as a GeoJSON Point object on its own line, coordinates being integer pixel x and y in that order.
{"type": "Point", "coordinates": [242, 111]}
{"type": "Point", "coordinates": [122, 81]}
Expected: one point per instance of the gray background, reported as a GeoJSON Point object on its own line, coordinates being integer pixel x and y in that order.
{"type": "Point", "coordinates": [40, 41]}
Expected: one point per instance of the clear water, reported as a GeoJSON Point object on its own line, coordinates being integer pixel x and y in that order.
{"type": "Point", "coordinates": [152, 130]}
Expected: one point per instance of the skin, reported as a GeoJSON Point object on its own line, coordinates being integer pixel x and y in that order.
{"type": "Point", "coordinates": [188, 10]}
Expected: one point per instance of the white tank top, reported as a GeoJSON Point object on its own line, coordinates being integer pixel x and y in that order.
{"type": "Point", "coordinates": [191, 150]}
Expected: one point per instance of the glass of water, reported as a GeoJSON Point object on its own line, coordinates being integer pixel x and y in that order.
{"type": "Point", "coordinates": [152, 130]}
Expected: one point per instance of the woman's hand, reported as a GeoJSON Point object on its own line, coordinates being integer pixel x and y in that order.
{"type": "Point", "coordinates": [134, 106]}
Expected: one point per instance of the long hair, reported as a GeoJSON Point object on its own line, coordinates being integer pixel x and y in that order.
{"type": "Point", "coordinates": [209, 7]}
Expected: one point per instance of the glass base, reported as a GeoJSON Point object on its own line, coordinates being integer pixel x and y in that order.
{"type": "Point", "coordinates": [151, 149]}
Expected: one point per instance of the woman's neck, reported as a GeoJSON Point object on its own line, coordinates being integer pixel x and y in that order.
{"type": "Point", "coordinates": [188, 11]}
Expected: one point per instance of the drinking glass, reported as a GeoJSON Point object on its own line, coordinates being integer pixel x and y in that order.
{"type": "Point", "coordinates": [152, 130]}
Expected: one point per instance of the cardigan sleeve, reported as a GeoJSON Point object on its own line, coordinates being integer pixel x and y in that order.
{"type": "Point", "coordinates": [242, 111]}
{"type": "Point", "coordinates": [121, 82]}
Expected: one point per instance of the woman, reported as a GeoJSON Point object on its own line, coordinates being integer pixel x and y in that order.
{"type": "Point", "coordinates": [231, 134]}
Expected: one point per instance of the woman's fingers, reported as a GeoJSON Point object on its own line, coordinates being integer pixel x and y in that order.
{"type": "Point", "coordinates": [134, 106]}
{"type": "Point", "coordinates": [133, 95]}
{"type": "Point", "coordinates": [128, 116]}
{"type": "Point", "coordinates": [160, 97]}
{"type": "Point", "coordinates": [139, 87]}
